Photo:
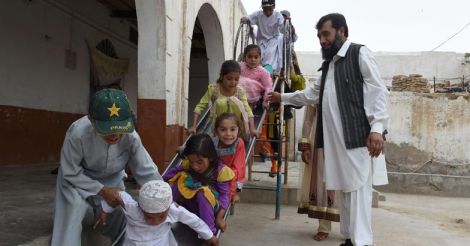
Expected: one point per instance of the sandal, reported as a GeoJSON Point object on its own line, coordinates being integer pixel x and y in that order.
{"type": "Point", "coordinates": [320, 236]}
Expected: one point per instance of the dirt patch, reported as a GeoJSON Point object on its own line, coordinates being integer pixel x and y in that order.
{"type": "Point", "coordinates": [451, 214]}
{"type": "Point", "coordinates": [408, 159]}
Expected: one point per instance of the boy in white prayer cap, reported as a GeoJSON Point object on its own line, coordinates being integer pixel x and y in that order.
{"type": "Point", "coordinates": [149, 220]}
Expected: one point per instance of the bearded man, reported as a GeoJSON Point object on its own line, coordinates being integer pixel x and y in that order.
{"type": "Point", "coordinates": [352, 119]}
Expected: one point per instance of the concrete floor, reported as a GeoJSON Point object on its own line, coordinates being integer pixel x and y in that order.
{"type": "Point", "coordinates": [401, 220]}
{"type": "Point", "coordinates": [26, 195]}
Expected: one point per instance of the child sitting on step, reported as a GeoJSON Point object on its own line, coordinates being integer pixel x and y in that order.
{"type": "Point", "coordinates": [201, 183]}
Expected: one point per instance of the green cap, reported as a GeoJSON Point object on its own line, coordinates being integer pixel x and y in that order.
{"type": "Point", "coordinates": [111, 112]}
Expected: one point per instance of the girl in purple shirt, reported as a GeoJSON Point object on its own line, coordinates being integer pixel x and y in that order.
{"type": "Point", "coordinates": [201, 183]}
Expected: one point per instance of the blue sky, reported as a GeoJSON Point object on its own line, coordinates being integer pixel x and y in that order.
{"type": "Point", "coordinates": [397, 25]}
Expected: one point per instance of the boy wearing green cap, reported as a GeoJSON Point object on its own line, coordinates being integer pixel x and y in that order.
{"type": "Point", "coordinates": [96, 150]}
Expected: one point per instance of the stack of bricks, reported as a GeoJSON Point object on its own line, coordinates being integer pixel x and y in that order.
{"type": "Point", "coordinates": [442, 85]}
{"type": "Point", "coordinates": [413, 83]}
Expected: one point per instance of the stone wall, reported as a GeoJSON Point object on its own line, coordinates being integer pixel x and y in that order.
{"type": "Point", "coordinates": [437, 124]}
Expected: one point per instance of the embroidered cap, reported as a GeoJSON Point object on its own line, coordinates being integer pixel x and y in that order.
{"type": "Point", "coordinates": [110, 110]}
{"type": "Point", "coordinates": [155, 196]}
{"type": "Point", "coordinates": [268, 3]}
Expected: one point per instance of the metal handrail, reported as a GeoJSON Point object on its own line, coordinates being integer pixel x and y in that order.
{"type": "Point", "coordinates": [243, 36]}
{"type": "Point", "coordinates": [287, 49]}
{"type": "Point", "coordinates": [201, 125]}
{"type": "Point", "coordinates": [252, 141]}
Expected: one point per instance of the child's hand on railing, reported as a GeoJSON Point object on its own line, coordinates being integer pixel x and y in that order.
{"type": "Point", "coordinates": [180, 150]}
{"type": "Point", "coordinates": [254, 133]}
{"type": "Point", "coordinates": [213, 241]}
{"type": "Point", "coordinates": [266, 104]}
{"type": "Point", "coordinates": [244, 20]}
{"type": "Point", "coordinates": [192, 130]}
{"type": "Point", "coordinates": [221, 224]}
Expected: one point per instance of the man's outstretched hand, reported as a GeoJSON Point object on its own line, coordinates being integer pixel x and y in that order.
{"type": "Point", "coordinates": [274, 97]}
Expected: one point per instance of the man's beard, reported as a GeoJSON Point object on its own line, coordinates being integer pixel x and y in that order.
{"type": "Point", "coordinates": [328, 53]}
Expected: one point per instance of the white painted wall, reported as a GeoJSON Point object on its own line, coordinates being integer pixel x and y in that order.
{"type": "Point", "coordinates": [309, 63]}
{"type": "Point", "coordinates": [32, 67]}
{"type": "Point", "coordinates": [152, 48]}
{"type": "Point", "coordinates": [443, 65]}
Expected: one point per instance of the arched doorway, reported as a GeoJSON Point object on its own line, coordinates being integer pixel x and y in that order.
{"type": "Point", "coordinates": [198, 69]}
{"type": "Point", "coordinates": [207, 54]}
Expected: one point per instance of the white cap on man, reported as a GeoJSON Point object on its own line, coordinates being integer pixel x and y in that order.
{"type": "Point", "coordinates": [285, 13]}
{"type": "Point", "coordinates": [155, 196]}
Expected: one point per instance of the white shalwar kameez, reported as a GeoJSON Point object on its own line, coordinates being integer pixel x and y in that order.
{"type": "Point", "coordinates": [351, 171]}
{"type": "Point", "coordinates": [269, 37]}
{"type": "Point", "coordinates": [87, 164]}
{"type": "Point", "coordinates": [139, 233]}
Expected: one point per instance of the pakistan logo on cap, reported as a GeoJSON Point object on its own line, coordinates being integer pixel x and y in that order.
{"type": "Point", "coordinates": [111, 113]}
{"type": "Point", "coordinates": [114, 110]}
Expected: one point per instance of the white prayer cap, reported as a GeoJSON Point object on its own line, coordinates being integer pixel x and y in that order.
{"type": "Point", "coordinates": [155, 196]}
{"type": "Point", "coordinates": [286, 13]}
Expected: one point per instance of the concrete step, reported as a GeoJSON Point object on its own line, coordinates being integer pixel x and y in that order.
{"type": "Point", "coordinates": [265, 192]}
{"type": "Point", "coordinates": [262, 192]}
